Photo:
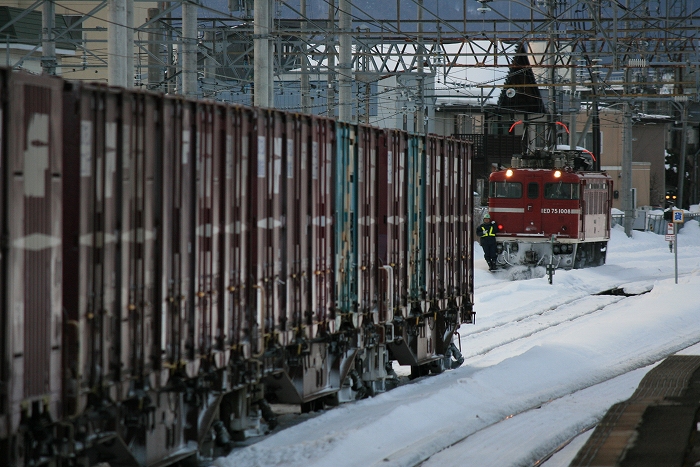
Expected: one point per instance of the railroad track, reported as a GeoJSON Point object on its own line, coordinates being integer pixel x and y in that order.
{"type": "Point", "coordinates": [494, 340]}
{"type": "Point", "coordinates": [522, 427]}
{"type": "Point", "coordinates": [480, 348]}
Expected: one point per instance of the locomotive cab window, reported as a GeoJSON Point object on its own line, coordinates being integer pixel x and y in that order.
{"type": "Point", "coordinates": [561, 190]}
{"type": "Point", "coordinates": [533, 190]}
{"type": "Point", "coordinates": [506, 189]}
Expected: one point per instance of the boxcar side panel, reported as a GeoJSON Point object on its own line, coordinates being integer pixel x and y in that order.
{"type": "Point", "coordinates": [32, 286]}
{"type": "Point", "coordinates": [238, 228]}
{"type": "Point", "coordinates": [346, 236]}
{"type": "Point", "coordinates": [433, 225]}
{"type": "Point", "coordinates": [368, 140]}
{"type": "Point", "coordinates": [177, 243]}
{"type": "Point", "coordinates": [296, 251]}
{"type": "Point", "coordinates": [207, 170]}
{"type": "Point", "coordinates": [322, 282]}
{"type": "Point", "coordinates": [395, 216]}
{"type": "Point", "coordinates": [416, 220]}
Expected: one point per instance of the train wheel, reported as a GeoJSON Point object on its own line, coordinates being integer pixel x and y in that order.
{"type": "Point", "coordinates": [439, 366]}
{"type": "Point", "coordinates": [190, 461]}
{"type": "Point", "coordinates": [602, 251]}
{"type": "Point", "coordinates": [315, 405]}
{"type": "Point", "coordinates": [580, 260]}
{"type": "Point", "coordinates": [419, 370]}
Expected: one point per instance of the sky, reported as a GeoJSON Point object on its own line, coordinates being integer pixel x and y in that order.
{"type": "Point", "coordinates": [543, 364]}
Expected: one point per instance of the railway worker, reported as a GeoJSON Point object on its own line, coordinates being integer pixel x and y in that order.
{"type": "Point", "coordinates": [487, 239]}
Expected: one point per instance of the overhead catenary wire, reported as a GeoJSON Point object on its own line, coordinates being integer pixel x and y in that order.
{"type": "Point", "coordinates": [440, 27]}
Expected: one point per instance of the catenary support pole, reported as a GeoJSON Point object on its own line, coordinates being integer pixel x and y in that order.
{"type": "Point", "coordinates": [262, 94]}
{"type": "Point", "coordinates": [345, 75]}
{"type": "Point", "coordinates": [129, 47]}
{"type": "Point", "coordinates": [48, 44]}
{"type": "Point", "coordinates": [117, 43]}
{"type": "Point", "coordinates": [305, 87]}
{"type": "Point", "coordinates": [188, 49]}
{"type": "Point", "coordinates": [420, 117]}
{"type": "Point", "coordinates": [330, 58]}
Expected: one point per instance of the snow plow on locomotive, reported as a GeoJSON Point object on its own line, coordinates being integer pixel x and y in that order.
{"type": "Point", "coordinates": [551, 211]}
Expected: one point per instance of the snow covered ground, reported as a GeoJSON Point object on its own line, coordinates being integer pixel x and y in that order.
{"type": "Point", "coordinates": [543, 364]}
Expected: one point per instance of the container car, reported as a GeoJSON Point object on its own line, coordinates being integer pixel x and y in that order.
{"type": "Point", "coordinates": [171, 266]}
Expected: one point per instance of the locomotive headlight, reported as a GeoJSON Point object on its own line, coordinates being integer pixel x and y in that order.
{"type": "Point", "coordinates": [556, 249]}
{"type": "Point", "coordinates": [557, 173]}
{"type": "Point", "coordinates": [509, 173]}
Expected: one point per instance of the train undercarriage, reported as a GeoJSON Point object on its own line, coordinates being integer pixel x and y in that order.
{"type": "Point", "coordinates": [562, 255]}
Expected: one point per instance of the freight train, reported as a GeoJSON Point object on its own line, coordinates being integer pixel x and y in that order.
{"type": "Point", "coordinates": [172, 266]}
{"type": "Point", "coordinates": [551, 210]}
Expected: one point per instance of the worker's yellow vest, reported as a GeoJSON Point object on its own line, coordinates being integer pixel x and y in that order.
{"type": "Point", "coordinates": [487, 233]}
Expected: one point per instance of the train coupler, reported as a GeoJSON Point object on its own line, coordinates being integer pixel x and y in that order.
{"type": "Point", "coordinates": [456, 356]}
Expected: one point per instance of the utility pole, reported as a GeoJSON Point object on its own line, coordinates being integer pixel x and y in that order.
{"type": "Point", "coordinates": [345, 72]}
{"type": "Point", "coordinates": [48, 44]}
{"type": "Point", "coordinates": [117, 45]}
{"type": "Point", "coordinates": [628, 202]}
{"type": "Point", "coordinates": [262, 73]}
{"type": "Point", "coordinates": [550, 50]}
{"type": "Point", "coordinates": [594, 70]}
{"type": "Point", "coordinates": [189, 49]}
{"type": "Point", "coordinates": [684, 148]}
{"type": "Point", "coordinates": [170, 68]}
{"type": "Point", "coordinates": [573, 110]}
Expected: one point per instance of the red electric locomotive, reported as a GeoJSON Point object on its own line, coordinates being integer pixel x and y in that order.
{"type": "Point", "coordinates": [551, 211]}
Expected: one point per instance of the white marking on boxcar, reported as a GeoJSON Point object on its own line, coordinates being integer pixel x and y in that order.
{"type": "Point", "coordinates": [36, 242]}
{"type": "Point", "coordinates": [269, 223]}
{"type": "Point", "coordinates": [36, 157]}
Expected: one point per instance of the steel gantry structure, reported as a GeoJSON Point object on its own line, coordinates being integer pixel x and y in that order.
{"type": "Point", "coordinates": [618, 47]}
{"type": "Point", "coordinates": [641, 53]}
